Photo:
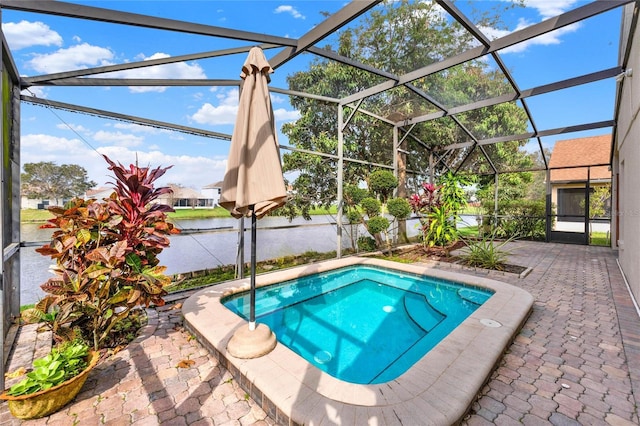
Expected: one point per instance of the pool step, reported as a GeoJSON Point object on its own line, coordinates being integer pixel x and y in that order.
{"type": "Point", "coordinates": [421, 312]}
{"type": "Point", "coordinates": [474, 296]}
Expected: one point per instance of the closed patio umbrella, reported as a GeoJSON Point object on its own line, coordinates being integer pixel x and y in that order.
{"type": "Point", "coordinates": [253, 184]}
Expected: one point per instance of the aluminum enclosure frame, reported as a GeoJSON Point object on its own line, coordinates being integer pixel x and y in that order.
{"type": "Point", "coordinates": [288, 49]}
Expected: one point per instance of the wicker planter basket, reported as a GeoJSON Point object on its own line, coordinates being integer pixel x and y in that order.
{"type": "Point", "coordinates": [48, 401]}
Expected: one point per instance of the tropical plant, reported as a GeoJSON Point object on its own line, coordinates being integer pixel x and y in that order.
{"type": "Point", "coordinates": [486, 252]}
{"type": "Point", "coordinates": [106, 255]}
{"type": "Point", "coordinates": [453, 194]}
{"type": "Point", "coordinates": [441, 229]}
{"type": "Point", "coordinates": [438, 207]}
{"type": "Point", "coordinates": [61, 364]}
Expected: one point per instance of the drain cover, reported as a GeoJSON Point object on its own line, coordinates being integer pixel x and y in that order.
{"type": "Point", "coordinates": [490, 323]}
{"type": "Point", "coordinates": [322, 357]}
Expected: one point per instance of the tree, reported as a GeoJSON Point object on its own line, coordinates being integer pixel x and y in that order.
{"type": "Point", "coordinates": [599, 204]}
{"type": "Point", "coordinates": [397, 38]}
{"type": "Point", "coordinates": [47, 180]}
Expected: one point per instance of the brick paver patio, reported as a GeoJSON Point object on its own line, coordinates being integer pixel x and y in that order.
{"type": "Point", "coordinates": [576, 361]}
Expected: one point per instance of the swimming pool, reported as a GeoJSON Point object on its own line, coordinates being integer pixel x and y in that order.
{"type": "Point", "coordinates": [362, 324]}
{"type": "Point", "coordinates": [438, 389]}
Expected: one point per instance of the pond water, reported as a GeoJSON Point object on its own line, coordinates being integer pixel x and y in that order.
{"type": "Point", "coordinates": [215, 243]}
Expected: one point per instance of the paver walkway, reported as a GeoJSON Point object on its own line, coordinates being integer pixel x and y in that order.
{"type": "Point", "coordinates": [576, 361]}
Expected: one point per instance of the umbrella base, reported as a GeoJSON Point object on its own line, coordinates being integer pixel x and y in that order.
{"type": "Point", "coordinates": [246, 343]}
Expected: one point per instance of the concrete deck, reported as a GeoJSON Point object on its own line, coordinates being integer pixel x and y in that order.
{"type": "Point", "coordinates": [576, 361]}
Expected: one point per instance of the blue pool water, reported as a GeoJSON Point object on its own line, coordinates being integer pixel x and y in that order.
{"type": "Point", "coordinates": [362, 324]}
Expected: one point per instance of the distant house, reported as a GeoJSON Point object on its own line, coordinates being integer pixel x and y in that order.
{"type": "Point", "coordinates": [573, 161]}
{"type": "Point", "coordinates": [98, 193]}
{"type": "Point", "coordinates": [43, 204]}
{"type": "Point", "coordinates": [212, 192]}
{"type": "Point", "coordinates": [35, 203]}
{"type": "Point", "coordinates": [183, 197]}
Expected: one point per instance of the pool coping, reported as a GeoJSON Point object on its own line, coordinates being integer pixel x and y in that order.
{"type": "Point", "coordinates": [439, 389]}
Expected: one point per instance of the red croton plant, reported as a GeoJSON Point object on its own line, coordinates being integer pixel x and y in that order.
{"type": "Point", "coordinates": [106, 254]}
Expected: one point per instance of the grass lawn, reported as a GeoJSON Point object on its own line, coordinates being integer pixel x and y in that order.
{"type": "Point", "coordinates": [199, 213]}
{"type": "Point", "coordinates": [599, 239]}
{"type": "Point", "coordinates": [36, 216]}
{"type": "Point", "coordinates": [468, 231]}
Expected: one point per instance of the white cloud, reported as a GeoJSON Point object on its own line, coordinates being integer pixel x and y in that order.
{"type": "Point", "coordinates": [227, 110]}
{"type": "Point", "coordinates": [139, 128]}
{"type": "Point", "coordinates": [178, 70]}
{"type": "Point", "coordinates": [40, 147]}
{"type": "Point", "coordinates": [275, 99]}
{"type": "Point", "coordinates": [75, 57]}
{"type": "Point", "coordinates": [191, 171]}
{"type": "Point", "coordinates": [37, 91]}
{"type": "Point", "coordinates": [554, 37]}
{"type": "Point", "coordinates": [210, 114]}
{"type": "Point", "coordinates": [47, 144]}
{"type": "Point", "coordinates": [73, 127]}
{"type": "Point", "coordinates": [550, 8]}
{"type": "Point", "coordinates": [26, 34]}
{"type": "Point", "coordinates": [546, 9]}
{"type": "Point", "coordinates": [224, 113]}
{"type": "Point", "coordinates": [289, 9]}
{"type": "Point", "coordinates": [282, 114]}
{"type": "Point", "coordinates": [117, 138]}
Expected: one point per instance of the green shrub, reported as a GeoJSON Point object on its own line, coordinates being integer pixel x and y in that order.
{"type": "Point", "coordinates": [377, 224]}
{"type": "Point", "coordinates": [382, 183]}
{"type": "Point", "coordinates": [521, 219]}
{"type": "Point", "coordinates": [366, 243]}
{"type": "Point", "coordinates": [353, 194]}
{"type": "Point", "coordinates": [371, 206]}
{"type": "Point", "coordinates": [399, 208]}
{"type": "Point", "coordinates": [354, 217]}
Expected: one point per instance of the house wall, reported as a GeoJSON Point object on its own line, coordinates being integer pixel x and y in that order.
{"type": "Point", "coordinates": [35, 203]}
{"type": "Point", "coordinates": [212, 194]}
{"type": "Point", "coordinates": [626, 164]}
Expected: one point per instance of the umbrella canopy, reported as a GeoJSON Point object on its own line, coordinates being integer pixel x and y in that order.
{"type": "Point", "coordinates": [254, 173]}
{"type": "Point", "coordinates": [253, 184]}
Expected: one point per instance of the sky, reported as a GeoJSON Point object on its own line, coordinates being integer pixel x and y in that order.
{"type": "Point", "coordinates": [43, 44]}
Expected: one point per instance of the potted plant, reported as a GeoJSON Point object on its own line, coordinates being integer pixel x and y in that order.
{"type": "Point", "coordinates": [53, 381]}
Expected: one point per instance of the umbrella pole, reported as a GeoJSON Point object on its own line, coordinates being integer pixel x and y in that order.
{"type": "Point", "coordinates": [252, 301]}
{"type": "Point", "coordinates": [240, 254]}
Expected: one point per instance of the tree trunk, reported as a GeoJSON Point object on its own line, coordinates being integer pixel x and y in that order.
{"type": "Point", "coordinates": [402, 189]}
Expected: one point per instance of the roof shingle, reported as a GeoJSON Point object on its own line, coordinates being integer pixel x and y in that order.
{"type": "Point", "coordinates": [587, 151]}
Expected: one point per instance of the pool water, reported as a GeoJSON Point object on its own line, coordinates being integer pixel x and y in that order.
{"type": "Point", "coordinates": [362, 324]}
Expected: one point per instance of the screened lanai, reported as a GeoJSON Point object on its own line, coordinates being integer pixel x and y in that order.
{"type": "Point", "coordinates": [411, 110]}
